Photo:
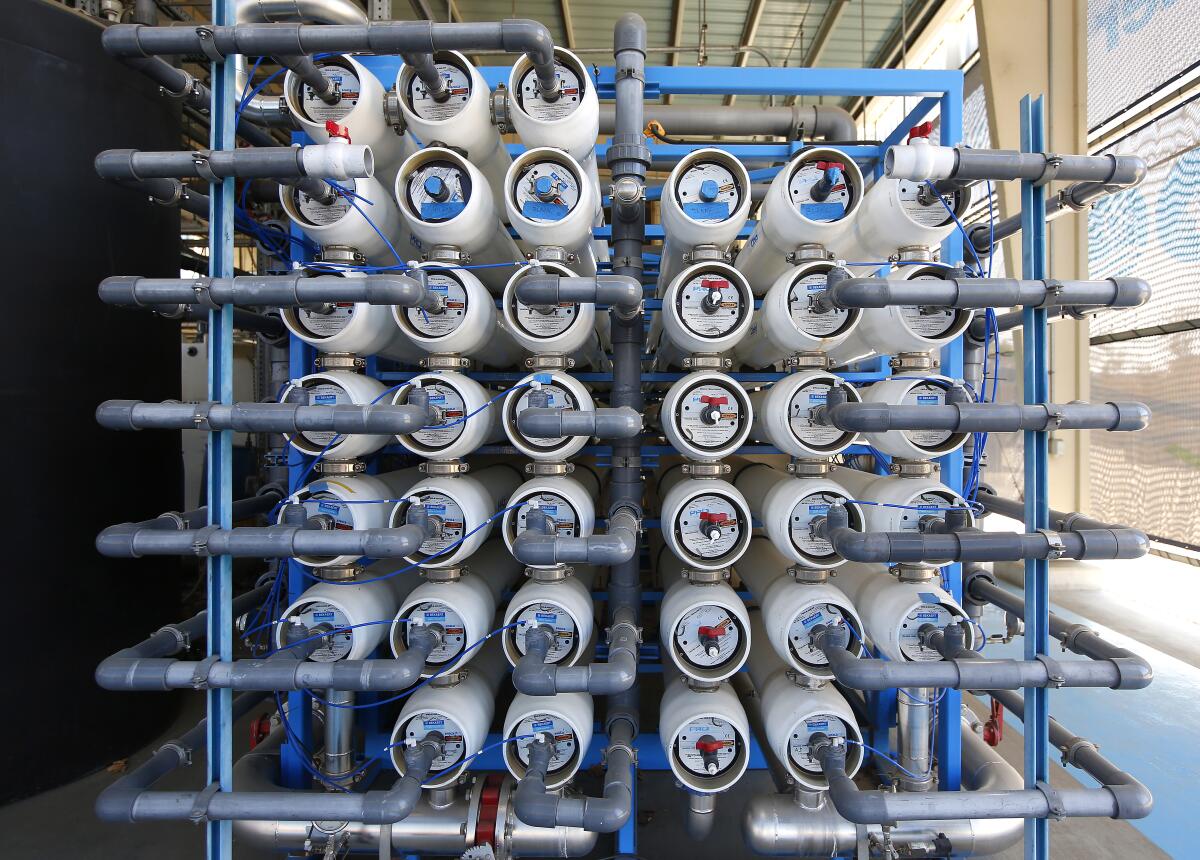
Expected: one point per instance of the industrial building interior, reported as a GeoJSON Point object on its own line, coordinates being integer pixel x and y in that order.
{"type": "Point", "coordinates": [561, 429]}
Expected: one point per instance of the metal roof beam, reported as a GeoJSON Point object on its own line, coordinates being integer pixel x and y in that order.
{"type": "Point", "coordinates": [677, 10]}
{"type": "Point", "coordinates": [893, 49]}
{"type": "Point", "coordinates": [754, 14]}
{"type": "Point", "coordinates": [824, 30]}
{"type": "Point", "coordinates": [568, 27]}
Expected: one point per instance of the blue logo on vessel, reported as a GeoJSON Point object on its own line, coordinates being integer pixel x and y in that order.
{"type": "Point", "coordinates": [928, 398]}
{"type": "Point", "coordinates": [328, 508]}
{"type": "Point", "coordinates": [325, 398]}
{"type": "Point", "coordinates": [548, 617]}
{"type": "Point", "coordinates": [322, 615]}
{"type": "Point", "coordinates": [543, 725]}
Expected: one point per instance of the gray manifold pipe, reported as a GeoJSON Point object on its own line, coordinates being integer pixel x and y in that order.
{"type": "Point", "coordinates": [543, 422]}
{"type": "Point", "coordinates": [967, 544]}
{"type": "Point", "coordinates": [279, 162]}
{"type": "Point", "coordinates": [542, 289]}
{"type": "Point", "coordinates": [966, 165]}
{"type": "Point", "coordinates": [778, 825]}
{"type": "Point", "coordinates": [1058, 519]}
{"type": "Point", "coordinates": [343, 419]}
{"type": "Point", "coordinates": [533, 676]}
{"type": "Point", "coordinates": [608, 813]}
{"type": "Point", "coordinates": [265, 499]}
{"type": "Point", "coordinates": [844, 291]}
{"type": "Point", "coordinates": [541, 546]}
{"type": "Point", "coordinates": [824, 121]}
{"type": "Point", "coordinates": [291, 290]}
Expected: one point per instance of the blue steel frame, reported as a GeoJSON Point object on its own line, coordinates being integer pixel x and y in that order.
{"type": "Point", "coordinates": [939, 91]}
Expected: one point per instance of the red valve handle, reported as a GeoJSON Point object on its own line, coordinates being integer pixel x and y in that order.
{"type": "Point", "coordinates": [259, 729]}
{"type": "Point", "coordinates": [825, 165]}
{"type": "Point", "coordinates": [710, 746]}
{"type": "Point", "coordinates": [711, 517]}
{"type": "Point", "coordinates": [335, 130]}
{"type": "Point", "coordinates": [923, 130]}
{"type": "Point", "coordinates": [993, 729]}
{"type": "Point", "coordinates": [715, 284]}
{"type": "Point", "coordinates": [705, 630]}
{"type": "Point", "coordinates": [714, 401]}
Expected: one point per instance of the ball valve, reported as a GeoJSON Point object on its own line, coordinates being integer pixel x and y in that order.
{"type": "Point", "coordinates": [564, 719]}
{"type": "Point", "coordinates": [460, 607]}
{"type": "Point", "coordinates": [562, 391]}
{"type": "Point", "coordinates": [342, 608]}
{"type": "Point", "coordinates": [459, 116]}
{"type": "Point", "coordinates": [448, 205]}
{"type": "Point", "coordinates": [811, 201]}
{"type": "Point", "coordinates": [703, 622]}
{"type": "Point", "coordinates": [562, 328]}
{"type": "Point", "coordinates": [557, 598]}
{"type": "Point", "coordinates": [706, 415]}
{"type": "Point", "coordinates": [465, 325]}
{"type": "Point", "coordinates": [704, 203]}
{"type": "Point", "coordinates": [567, 499]}
{"type": "Point", "coordinates": [455, 435]}
{"type": "Point", "coordinates": [705, 735]}
{"type": "Point", "coordinates": [706, 310]}
{"type": "Point", "coordinates": [329, 389]}
{"type": "Point", "coordinates": [788, 323]}
{"type": "Point", "coordinates": [783, 415]}
{"type": "Point", "coordinates": [794, 604]}
{"type": "Point", "coordinates": [705, 522]}
{"type": "Point", "coordinates": [364, 218]}
{"type": "Point", "coordinates": [550, 202]}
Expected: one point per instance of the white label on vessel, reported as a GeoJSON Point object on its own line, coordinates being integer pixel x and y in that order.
{"type": "Point", "coordinates": [453, 410]}
{"type": "Point", "coordinates": [562, 514]}
{"type": "Point", "coordinates": [345, 83]}
{"type": "Point", "coordinates": [800, 189]}
{"type": "Point", "coordinates": [549, 615]}
{"type": "Point", "coordinates": [926, 394]}
{"type": "Point", "coordinates": [929, 322]}
{"type": "Point", "coordinates": [799, 750]}
{"type": "Point", "coordinates": [536, 323]}
{"type": "Point", "coordinates": [450, 519]}
{"type": "Point", "coordinates": [560, 398]}
{"type": "Point", "coordinates": [816, 436]}
{"type": "Point", "coordinates": [319, 214]}
{"type": "Point", "coordinates": [803, 625]}
{"type": "Point", "coordinates": [708, 192]}
{"type": "Point", "coordinates": [324, 394]}
{"type": "Point", "coordinates": [337, 645]}
{"type": "Point", "coordinates": [454, 308]}
{"type": "Point", "coordinates": [710, 305]}
{"type": "Point", "coordinates": [325, 325]}
{"type": "Point", "coordinates": [809, 508]}
{"type": "Point", "coordinates": [433, 612]}
{"type": "Point", "coordinates": [707, 636]}
{"type": "Point", "coordinates": [701, 401]}
{"type": "Point", "coordinates": [553, 728]}
{"type": "Point", "coordinates": [707, 746]}
{"type": "Point", "coordinates": [707, 526]}
{"type": "Point", "coordinates": [570, 89]}
{"type": "Point", "coordinates": [800, 308]}
{"type": "Point", "coordinates": [458, 82]}
{"type": "Point", "coordinates": [935, 214]}
{"type": "Point", "coordinates": [936, 614]}
{"type": "Point", "coordinates": [423, 723]}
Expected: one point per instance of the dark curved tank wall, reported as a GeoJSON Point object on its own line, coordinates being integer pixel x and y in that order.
{"type": "Point", "coordinates": [62, 352]}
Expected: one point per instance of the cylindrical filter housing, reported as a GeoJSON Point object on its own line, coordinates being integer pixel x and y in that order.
{"type": "Point", "coordinates": [564, 605]}
{"type": "Point", "coordinates": [568, 500]}
{"type": "Point", "coordinates": [551, 202]}
{"type": "Point", "coordinates": [567, 328]}
{"type": "Point", "coordinates": [462, 610]}
{"type": "Point", "coordinates": [446, 201]}
{"type": "Point", "coordinates": [360, 328]}
{"type": "Point", "coordinates": [914, 390]}
{"type": "Point", "coordinates": [912, 328]}
{"type": "Point", "coordinates": [461, 713]}
{"type": "Point", "coordinates": [467, 421]}
{"type": "Point", "coordinates": [894, 611]}
{"type": "Point", "coordinates": [705, 522]}
{"type": "Point", "coordinates": [463, 120]}
{"type": "Point", "coordinates": [703, 625]}
{"type": "Point", "coordinates": [705, 735]}
{"type": "Point", "coordinates": [564, 720]}
{"type": "Point", "coordinates": [342, 608]}
{"type": "Point", "coordinates": [465, 326]}
{"type": "Point", "coordinates": [786, 507]}
{"type": "Point", "coordinates": [707, 309]}
{"type": "Point", "coordinates": [705, 201]}
{"type": "Point", "coordinates": [333, 388]}
{"type": "Point", "coordinates": [564, 392]}
{"type": "Point", "coordinates": [706, 415]}
{"type": "Point", "coordinates": [792, 713]}
{"type": "Point", "coordinates": [792, 609]}
{"type": "Point", "coordinates": [783, 415]}
{"type": "Point", "coordinates": [366, 219]}
{"type": "Point", "coordinates": [812, 201]}
{"type": "Point", "coordinates": [463, 508]}
{"type": "Point", "coordinates": [787, 323]}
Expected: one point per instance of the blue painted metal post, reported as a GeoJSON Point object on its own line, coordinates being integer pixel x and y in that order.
{"type": "Point", "coordinates": [1037, 489]}
{"type": "Point", "coordinates": [220, 444]}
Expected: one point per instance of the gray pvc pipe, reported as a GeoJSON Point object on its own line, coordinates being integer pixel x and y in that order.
{"type": "Point", "coordinates": [290, 290]}
{"type": "Point", "coordinates": [306, 70]}
{"type": "Point", "coordinates": [343, 419]}
{"type": "Point", "coordinates": [608, 813]}
{"type": "Point", "coordinates": [542, 289]}
{"type": "Point", "coordinates": [425, 68]}
{"type": "Point", "coordinates": [268, 325]}
{"type": "Point", "coordinates": [1074, 198]}
{"type": "Point", "coordinates": [977, 165]}
{"type": "Point", "coordinates": [606, 423]}
{"type": "Point", "coordinates": [278, 162]}
{"type": "Point", "coordinates": [1058, 519]}
{"type": "Point", "coordinates": [843, 291]}
{"type": "Point", "coordinates": [541, 546]}
{"type": "Point", "coordinates": [533, 676]}
{"type": "Point", "coordinates": [811, 121]}
{"type": "Point", "coordinates": [172, 192]}
{"type": "Point", "coordinates": [973, 417]}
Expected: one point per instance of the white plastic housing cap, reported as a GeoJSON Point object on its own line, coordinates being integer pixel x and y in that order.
{"type": "Point", "coordinates": [791, 610]}
{"type": "Point", "coordinates": [333, 388]}
{"type": "Point", "coordinates": [894, 611]}
{"type": "Point", "coordinates": [573, 231]}
{"type": "Point", "coordinates": [700, 392]}
{"type": "Point", "coordinates": [464, 507]}
{"type": "Point", "coordinates": [682, 721]}
{"type": "Point", "coordinates": [892, 217]}
{"type": "Point", "coordinates": [569, 501]}
{"type": "Point", "coordinates": [782, 415]}
{"type": "Point", "coordinates": [913, 391]}
{"type": "Point", "coordinates": [688, 232]}
{"type": "Point", "coordinates": [347, 500]}
{"type": "Point", "coordinates": [706, 523]}
{"type": "Point", "coordinates": [343, 606]}
{"type": "Point", "coordinates": [569, 329]}
{"type": "Point", "coordinates": [689, 327]}
{"type": "Point", "coordinates": [456, 436]}
{"type": "Point", "coordinates": [685, 604]}
{"type": "Point", "coordinates": [342, 224]}
{"type": "Point", "coordinates": [359, 327]}
{"type": "Point", "coordinates": [566, 717]}
{"type": "Point", "coordinates": [565, 605]}
{"type": "Point", "coordinates": [566, 393]}
{"type": "Point", "coordinates": [574, 126]}
{"type": "Point", "coordinates": [919, 159]}
{"type": "Point", "coordinates": [786, 507]}
{"type": "Point", "coordinates": [786, 324]}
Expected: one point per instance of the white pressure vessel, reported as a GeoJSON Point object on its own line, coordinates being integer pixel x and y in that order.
{"type": "Point", "coordinates": [360, 328]}
{"type": "Point", "coordinates": [569, 501]}
{"type": "Point", "coordinates": [793, 608]}
{"type": "Point", "coordinates": [706, 415]}
{"type": "Point", "coordinates": [787, 323]}
{"type": "Point", "coordinates": [706, 309]}
{"type": "Point", "coordinates": [924, 390]}
{"type": "Point", "coordinates": [895, 611]}
{"type": "Point", "coordinates": [567, 328]}
{"type": "Point", "coordinates": [462, 610]}
{"type": "Point", "coordinates": [551, 202]}
{"type": "Point", "coordinates": [463, 121]}
{"type": "Point", "coordinates": [465, 326]}
{"type": "Point", "coordinates": [331, 388]}
{"type": "Point", "coordinates": [894, 329]}
{"type": "Point", "coordinates": [705, 522]}
{"type": "Point", "coordinates": [563, 720]}
{"type": "Point", "coordinates": [367, 220]}
{"type": "Point", "coordinates": [565, 392]}
{"type": "Point", "coordinates": [786, 507]}
{"type": "Point", "coordinates": [359, 109]}
{"type": "Point", "coordinates": [783, 415]}
{"type": "Point", "coordinates": [343, 607]}
{"type": "Point", "coordinates": [456, 435]}
{"type": "Point", "coordinates": [705, 201]}
{"type": "Point", "coordinates": [461, 713]}
{"type": "Point", "coordinates": [704, 626]}
{"type": "Point", "coordinates": [446, 201]}
{"type": "Point", "coordinates": [704, 734]}
{"type": "Point", "coordinates": [463, 507]}
{"type": "Point", "coordinates": [792, 713]}
{"type": "Point", "coordinates": [565, 605]}
{"type": "Point", "coordinates": [790, 216]}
